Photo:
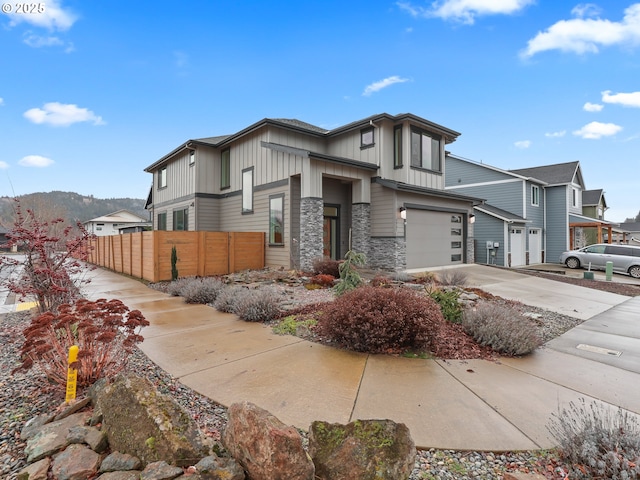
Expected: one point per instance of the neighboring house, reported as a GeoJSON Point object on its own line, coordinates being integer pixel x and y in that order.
{"type": "Point", "coordinates": [3, 237]}
{"type": "Point", "coordinates": [565, 222]}
{"type": "Point", "coordinates": [509, 226]}
{"type": "Point", "coordinates": [627, 232]}
{"type": "Point", "coordinates": [375, 185]}
{"type": "Point", "coordinates": [113, 223]}
{"type": "Point", "coordinates": [594, 204]}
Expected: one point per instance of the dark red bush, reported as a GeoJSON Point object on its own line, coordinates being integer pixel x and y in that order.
{"type": "Point", "coordinates": [326, 266]}
{"type": "Point", "coordinates": [381, 281]}
{"type": "Point", "coordinates": [381, 320]}
{"type": "Point", "coordinates": [322, 279]}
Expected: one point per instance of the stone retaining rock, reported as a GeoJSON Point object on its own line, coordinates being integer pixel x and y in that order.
{"type": "Point", "coordinates": [70, 449]}
{"type": "Point", "coordinates": [266, 448]}
{"type": "Point", "coordinates": [364, 449]}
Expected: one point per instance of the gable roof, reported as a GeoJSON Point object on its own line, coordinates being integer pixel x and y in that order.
{"type": "Point", "coordinates": [557, 174]}
{"type": "Point", "coordinates": [121, 216]}
{"type": "Point", "coordinates": [591, 198]}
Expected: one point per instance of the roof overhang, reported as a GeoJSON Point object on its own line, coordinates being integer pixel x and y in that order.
{"type": "Point", "coordinates": [405, 187]}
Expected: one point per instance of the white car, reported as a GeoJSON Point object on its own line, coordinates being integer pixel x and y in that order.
{"type": "Point", "coordinates": [625, 258]}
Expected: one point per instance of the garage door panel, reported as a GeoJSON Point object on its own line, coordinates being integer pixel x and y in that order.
{"type": "Point", "coordinates": [430, 238]}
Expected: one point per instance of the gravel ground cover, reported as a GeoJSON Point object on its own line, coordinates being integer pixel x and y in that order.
{"type": "Point", "coordinates": [25, 395]}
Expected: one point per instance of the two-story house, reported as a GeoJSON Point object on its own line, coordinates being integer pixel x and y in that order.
{"type": "Point", "coordinates": [509, 226]}
{"type": "Point", "coordinates": [375, 185]}
{"type": "Point", "coordinates": [566, 225]}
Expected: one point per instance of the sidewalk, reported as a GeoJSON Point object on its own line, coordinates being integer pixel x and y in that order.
{"type": "Point", "coordinates": [461, 405]}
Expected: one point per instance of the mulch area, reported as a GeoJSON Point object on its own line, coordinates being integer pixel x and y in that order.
{"type": "Point", "coordinates": [626, 289]}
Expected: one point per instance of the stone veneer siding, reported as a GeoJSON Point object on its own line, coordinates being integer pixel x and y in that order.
{"type": "Point", "coordinates": [471, 252]}
{"type": "Point", "coordinates": [311, 215]}
{"type": "Point", "coordinates": [360, 221]}
{"type": "Point", "coordinates": [388, 253]}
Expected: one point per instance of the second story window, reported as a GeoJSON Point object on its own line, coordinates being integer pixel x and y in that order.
{"type": "Point", "coordinates": [366, 137]}
{"type": "Point", "coordinates": [397, 146]}
{"type": "Point", "coordinates": [162, 177]}
{"type": "Point", "coordinates": [574, 197]}
{"type": "Point", "coordinates": [225, 169]}
{"type": "Point", "coordinates": [247, 190]}
{"type": "Point", "coordinates": [535, 195]}
{"type": "Point", "coordinates": [425, 151]}
{"type": "Point", "coordinates": [192, 157]}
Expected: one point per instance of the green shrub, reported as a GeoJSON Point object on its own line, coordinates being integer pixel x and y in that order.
{"type": "Point", "coordinates": [258, 305]}
{"type": "Point", "coordinates": [502, 328]}
{"type": "Point", "coordinates": [349, 276]}
{"type": "Point", "coordinates": [202, 290]}
{"type": "Point", "coordinates": [289, 325]}
{"type": "Point", "coordinates": [449, 302]}
{"type": "Point", "coordinates": [326, 266]}
{"type": "Point", "coordinates": [597, 441]}
{"type": "Point", "coordinates": [381, 320]}
{"type": "Point", "coordinates": [174, 263]}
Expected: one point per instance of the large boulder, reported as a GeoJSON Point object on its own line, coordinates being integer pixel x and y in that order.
{"type": "Point", "coordinates": [364, 449]}
{"type": "Point", "coordinates": [266, 448]}
{"type": "Point", "coordinates": [142, 422]}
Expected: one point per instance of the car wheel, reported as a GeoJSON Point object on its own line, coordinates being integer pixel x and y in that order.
{"type": "Point", "coordinates": [572, 262]}
{"type": "Point", "coordinates": [635, 271]}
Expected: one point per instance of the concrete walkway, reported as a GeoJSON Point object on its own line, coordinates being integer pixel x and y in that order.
{"type": "Point", "coordinates": [462, 405]}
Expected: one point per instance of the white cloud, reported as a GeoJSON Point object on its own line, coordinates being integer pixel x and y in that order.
{"type": "Point", "coordinates": [62, 115]}
{"type": "Point", "coordinates": [625, 99]}
{"type": "Point", "coordinates": [53, 17]}
{"type": "Point", "coordinates": [559, 134]}
{"type": "Point", "coordinates": [592, 107]}
{"type": "Point", "coordinates": [1, 101]}
{"type": "Point", "coordinates": [465, 11]}
{"type": "Point", "coordinates": [586, 10]}
{"type": "Point", "coordinates": [39, 41]}
{"type": "Point", "coordinates": [3, 165]}
{"type": "Point", "coordinates": [523, 144]}
{"type": "Point", "coordinates": [585, 35]}
{"type": "Point", "coordinates": [596, 130]}
{"type": "Point", "coordinates": [377, 86]}
{"type": "Point", "coordinates": [35, 161]}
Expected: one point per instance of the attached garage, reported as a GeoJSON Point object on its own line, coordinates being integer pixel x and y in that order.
{"type": "Point", "coordinates": [434, 238]}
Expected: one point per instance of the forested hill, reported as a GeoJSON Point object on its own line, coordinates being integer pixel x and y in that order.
{"type": "Point", "coordinates": [70, 206]}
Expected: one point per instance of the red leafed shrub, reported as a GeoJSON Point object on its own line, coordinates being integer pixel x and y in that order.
{"type": "Point", "coordinates": [381, 320]}
{"type": "Point", "coordinates": [322, 279]}
{"type": "Point", "coordinates": [105, 332]}
{"type": "Point", "coordinates": [326, 266]}
{"type": "Point", "coordinates": [381, 281]}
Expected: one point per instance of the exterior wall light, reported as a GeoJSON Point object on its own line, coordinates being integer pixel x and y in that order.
{"type": "Point", "coordinates": [472, 219]}
{"type": "Point", "coordinates": [403, 213]}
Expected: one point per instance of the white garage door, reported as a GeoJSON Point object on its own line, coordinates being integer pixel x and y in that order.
{"type": "Point", "coordinates": [535, 245]}
{"type": "Point", "coordinates": [517, 247]}
{"type": "Point", "coordinates": [434, 238]}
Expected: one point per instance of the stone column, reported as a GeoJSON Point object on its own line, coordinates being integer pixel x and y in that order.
{"type": "Point", "coordinates": [311, 215]}
{"type": "Point", "coordinates": [360, 228]}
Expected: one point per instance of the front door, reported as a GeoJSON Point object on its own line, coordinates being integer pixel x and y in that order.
{"type": "Point", "coordinates": [330, 232]}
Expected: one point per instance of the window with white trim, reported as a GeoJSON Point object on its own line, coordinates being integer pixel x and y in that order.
{"type": "Point", "coordinates": [247, 190]}
{"type": "Point", "coordinates": [276, 219]}
{"type": "Point", "coordinates": [162, 177]}
{"type": "Point", "coordinates": [535, 195]}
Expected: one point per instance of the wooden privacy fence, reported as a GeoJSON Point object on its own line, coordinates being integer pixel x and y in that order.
{"type": "Point", "coordinates": [147, 255]}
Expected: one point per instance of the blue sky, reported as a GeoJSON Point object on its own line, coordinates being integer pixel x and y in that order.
{"type": "Point", "coordinates": [91, 92]}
